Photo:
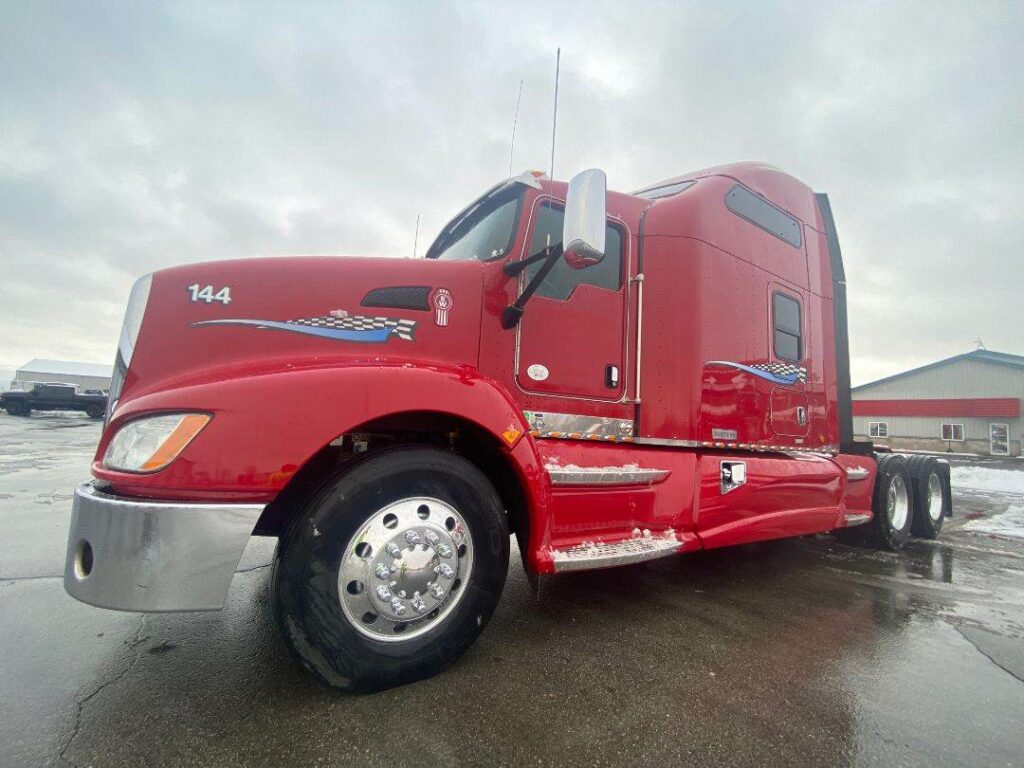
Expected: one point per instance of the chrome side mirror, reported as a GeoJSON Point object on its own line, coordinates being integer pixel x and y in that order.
{"type": "Point", "coordinates": [584, 228]}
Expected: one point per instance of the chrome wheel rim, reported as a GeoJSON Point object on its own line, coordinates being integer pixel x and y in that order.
{"type": "Point", "coordinates": [898, 503]}
{"type": "Point", "coordinates": [934, 496]}
{"type": "Point", "coordinates": [405, 569]}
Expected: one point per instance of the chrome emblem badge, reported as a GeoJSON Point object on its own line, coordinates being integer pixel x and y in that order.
{"type": "Point", "coordinates": [442, 301]}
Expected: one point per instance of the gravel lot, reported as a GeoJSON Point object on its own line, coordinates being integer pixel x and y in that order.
{"type": "Point", "coordinates": [801, 652]}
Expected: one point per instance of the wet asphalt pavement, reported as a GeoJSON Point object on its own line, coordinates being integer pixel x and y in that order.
{"type": "Point", "coordinates": [800, 652]}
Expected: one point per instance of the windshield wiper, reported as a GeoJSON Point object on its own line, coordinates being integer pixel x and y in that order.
{"type": "Point", "coordinates": [510, 317]}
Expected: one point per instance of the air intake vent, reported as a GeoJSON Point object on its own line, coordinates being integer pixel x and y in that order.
{"type": "Point", "coordinates": [399, 297]}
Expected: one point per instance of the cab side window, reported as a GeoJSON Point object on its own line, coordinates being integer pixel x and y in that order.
{"type": "Point", "coordinates": [562, 279]}
{"type": "Point", "coordinates": [788, 341]}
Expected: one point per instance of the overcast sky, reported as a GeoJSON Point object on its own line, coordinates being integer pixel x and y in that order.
{"type": "Point", "coordinates": [135, 136]}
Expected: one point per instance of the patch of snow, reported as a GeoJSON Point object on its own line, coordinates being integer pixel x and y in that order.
{"type": "Point", "coordinates": [988, 479]}
{"type": "Point", "coordinates": [553, 464]}
{"type": "Point", "coordinates": [1009, 523]}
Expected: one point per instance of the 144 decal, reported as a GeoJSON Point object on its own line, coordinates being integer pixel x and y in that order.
{"type": "Point", "coordinates": [206, 293]}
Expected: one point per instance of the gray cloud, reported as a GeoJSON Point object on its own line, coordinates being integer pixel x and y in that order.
{"type": "Point", "coordinates": [134, 137]}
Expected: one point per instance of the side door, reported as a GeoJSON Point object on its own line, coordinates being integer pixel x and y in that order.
{"type": "Point", "coordinates": [571, 339]}
{"type": "Point", "coordinates": [999, 439]}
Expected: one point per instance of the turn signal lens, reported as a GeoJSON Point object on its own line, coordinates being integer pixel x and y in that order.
{"type": "Point", "coordinates": [150, 444]}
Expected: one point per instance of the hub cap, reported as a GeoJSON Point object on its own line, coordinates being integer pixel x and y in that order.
{"type": "Point", "coordinates": [934, 496]}
{"type": "Point", "coordinates": [405, 569]}
{"type": "Point", "coordinates": [898, 505]}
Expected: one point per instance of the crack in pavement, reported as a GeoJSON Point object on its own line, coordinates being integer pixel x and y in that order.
{"type": "Point", "coordinates": [254, 568]}
{"type": "Point", "coordinates": [80, 704]}
{"type": "Point", "coordinates": [13, 579]}
{"type": "Point", "coordinates": [988, 656]}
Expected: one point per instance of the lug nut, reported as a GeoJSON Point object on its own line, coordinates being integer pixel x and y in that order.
{"type": "Point", "coordinates": [383, 592]}
{"type": "Point", "coordinates": [444, 550]}
{"type": "Point", "coordinates": [431, 537]}
{"type": "Point", "coordinates": [419, 605]}
{"type": "Point", "coordinates": [382, 571]}
{"type": "Point", "coordinates": [396, 607]}
{"type": "Point", "coordinates": [412, 537]}
{"type": "Point", "coordinates": [437, 591]}
{"type": "Point", "coordinates": [394, 550]}
{"type": "Point", "coordinates": [445, 570]}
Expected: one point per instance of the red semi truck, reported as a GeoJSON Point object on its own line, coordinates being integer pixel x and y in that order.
{"type": "Point", "coordinates": [610, 377]}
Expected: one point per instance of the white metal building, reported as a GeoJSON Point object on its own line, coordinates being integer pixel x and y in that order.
{"type": "Point", "coordinates": [85, 375]}
{"type": "Point", "coordinates": [969, 403]}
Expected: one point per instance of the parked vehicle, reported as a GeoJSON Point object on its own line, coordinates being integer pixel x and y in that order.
{"type": "Point", "coordinates": [610, 377]}
{"type": "Point", "coordinates": [54, 397]}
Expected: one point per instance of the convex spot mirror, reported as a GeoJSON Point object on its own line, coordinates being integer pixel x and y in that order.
{"type": "Point", "coordinates": [583, 232]}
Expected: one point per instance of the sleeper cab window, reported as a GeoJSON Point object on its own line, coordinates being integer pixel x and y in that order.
{"type": "Point", "coordinates": [788, 341]}
{"type": "Point", "coordinates": [759, 212]}
{"type": "Point", "coordinates": [563, 279]}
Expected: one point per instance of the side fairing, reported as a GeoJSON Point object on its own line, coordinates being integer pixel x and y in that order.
{"type": "Point", "coordinates": [713, 371]}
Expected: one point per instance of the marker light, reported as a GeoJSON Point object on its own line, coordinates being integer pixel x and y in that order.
{"type": "Point", "coordinates": [150, 444]}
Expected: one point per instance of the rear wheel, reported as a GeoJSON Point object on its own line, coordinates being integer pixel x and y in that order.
{"type": "Point", "coordinates": [392, 570]}
{"type": "Point", "coordinates": [929, 497]}
{"type": "Point", "coordinates": [892, 504]}
{"type": "Point", "coordinates": [94, 411]}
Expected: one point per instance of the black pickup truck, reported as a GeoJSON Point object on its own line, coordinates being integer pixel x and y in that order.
{"type": "Point", "coordinates": [54, 397]}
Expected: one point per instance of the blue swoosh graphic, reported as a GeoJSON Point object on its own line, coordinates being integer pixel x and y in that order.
{"type": "Point", "coordinates": [790, 378]}
{"type": "Point", "coordinates": [371, 336]}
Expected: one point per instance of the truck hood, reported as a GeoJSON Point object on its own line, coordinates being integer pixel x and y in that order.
{"type": "Point", "coordinates": [217, 320]}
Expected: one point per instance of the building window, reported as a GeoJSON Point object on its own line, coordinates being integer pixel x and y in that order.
{"type": "Point", "coordinates": [878, 429]}
{"type": "Point", "coordinates": [786, 324]}
{"type": "Point", "coordinates": [953, 432]}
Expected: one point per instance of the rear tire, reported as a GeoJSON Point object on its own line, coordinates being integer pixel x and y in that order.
{"type": "Point", "coordinates": [94, 411]}
{"type": "Point", "coordinates": [892, 505]}
{"type": "Point", "coordinates": [929, 496]}
{"type": "Point", "coordinates": [392, 569]}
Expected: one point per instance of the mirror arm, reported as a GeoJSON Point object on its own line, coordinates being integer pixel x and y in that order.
{"type": "Point", "coordinates": [510, 317]}
{"type": "Point", "coordinates": [514, 268]}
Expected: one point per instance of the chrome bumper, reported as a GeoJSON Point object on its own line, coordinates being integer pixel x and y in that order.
{"type": "Point", "coordinates": [135, 555]}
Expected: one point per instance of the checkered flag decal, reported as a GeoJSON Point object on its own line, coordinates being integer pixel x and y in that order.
{"type": "Point", "coordinates": [782, 369]}
{"type": "Point", "coordinates": [404, 329]}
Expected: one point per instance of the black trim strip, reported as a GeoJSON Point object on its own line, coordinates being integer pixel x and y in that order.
{"type": "Point", "coordinates": [399, 297]}
{"type": "Point", "coordinates": [842, 334]}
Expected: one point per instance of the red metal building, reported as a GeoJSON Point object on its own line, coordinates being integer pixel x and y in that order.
{"type": "Point", "coordinates": [968, 403]}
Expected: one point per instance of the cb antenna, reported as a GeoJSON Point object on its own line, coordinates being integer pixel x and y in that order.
{"type": "Point", "coordinates": [416, 237]}
{"type": "Point", "coordinates": [554, 119]}
{"type": "Point", "coordinates": [515, 120]}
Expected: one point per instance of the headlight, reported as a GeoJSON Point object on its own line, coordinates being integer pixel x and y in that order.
{"type": "Point", "coordinates": [151, 443]}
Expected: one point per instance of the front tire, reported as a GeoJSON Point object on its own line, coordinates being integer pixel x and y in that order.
{"type": "Point", "coordinates": [392, 569]}
{"type": "Point", "coordinates": [892, 504]}
{"type": "Point", "coordinates": [18, 408]}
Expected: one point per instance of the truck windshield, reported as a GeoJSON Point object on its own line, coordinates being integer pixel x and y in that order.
{"type": "Point", "coordinates": [484, 231]}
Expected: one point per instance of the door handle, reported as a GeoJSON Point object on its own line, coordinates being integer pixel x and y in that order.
{"type": "Point", "coordinates": [611, 376]}
{"type": "Point", "coordinates": [801, 416]}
